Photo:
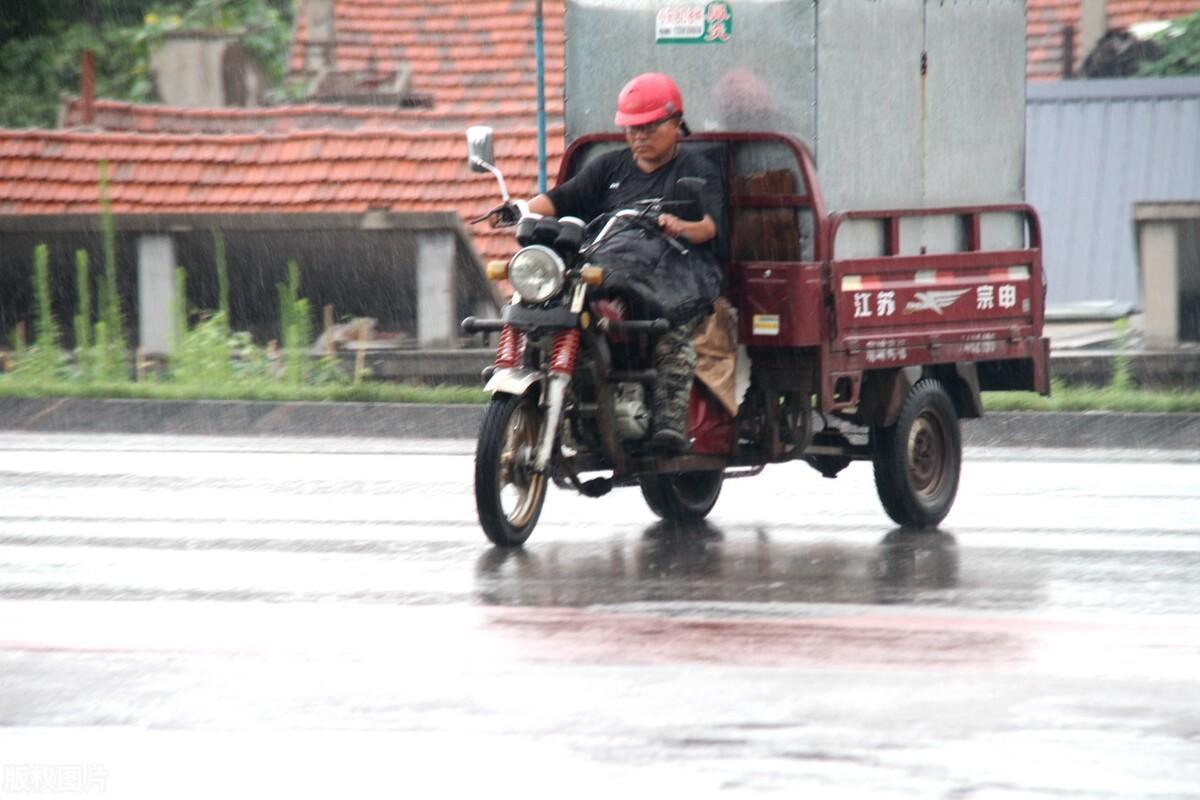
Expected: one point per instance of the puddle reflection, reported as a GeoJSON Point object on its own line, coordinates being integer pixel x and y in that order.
{"type": "Point", "coordinates": [700, 563]}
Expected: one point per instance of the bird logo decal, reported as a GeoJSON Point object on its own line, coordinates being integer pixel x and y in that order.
{"type": "Point", "coordinates": [935, 301]}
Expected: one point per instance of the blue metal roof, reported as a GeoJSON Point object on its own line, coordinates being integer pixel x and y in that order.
{"type": "Point", "coordinates": [1094, 148]}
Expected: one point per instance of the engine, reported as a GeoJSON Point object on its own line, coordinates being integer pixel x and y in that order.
{"type": "Point", "coordinates": [629, 407]}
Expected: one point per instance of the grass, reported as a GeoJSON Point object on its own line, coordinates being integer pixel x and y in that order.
{"type": "Point", "coordinates": [1121, 393]}
{"type": "Point", "coordinates": [1063, 399]}
{"type": "Point", "coordinates": [270, 391]}
{"type": "Point", "coordinates": [1086, 398]}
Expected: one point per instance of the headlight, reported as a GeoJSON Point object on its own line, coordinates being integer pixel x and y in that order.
{"type": "Point", "coordinates": [537, 273]}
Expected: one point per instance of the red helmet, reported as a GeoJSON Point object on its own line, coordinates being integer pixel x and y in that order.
{"type": "Point", "coordinates": [650, 97]}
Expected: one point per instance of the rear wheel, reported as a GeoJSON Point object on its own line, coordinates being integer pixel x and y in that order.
{"type": "Point", "coordinates": [508, 494]}
{"type": "Point", "coordinates": [918, 460]}
{"type": "Point", "coordinates": [682, 496]}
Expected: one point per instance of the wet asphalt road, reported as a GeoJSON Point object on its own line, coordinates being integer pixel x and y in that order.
{"type": "Point", "coordinates": [192, 617]}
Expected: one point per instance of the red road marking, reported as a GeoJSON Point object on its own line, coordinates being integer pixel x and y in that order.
{"type": "Point", "coordinates": [873, 640]}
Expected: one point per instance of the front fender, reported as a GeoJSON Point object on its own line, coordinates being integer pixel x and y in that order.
{"type": "Point", "coordinates": [515, 381]}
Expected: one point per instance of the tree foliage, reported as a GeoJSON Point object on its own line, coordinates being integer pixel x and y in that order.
{"type": "Point", "coordinates": [1180, 44]}
{"type": "Point", "coordinates": [25, 18]}
{"type": "Point", "coordinates": [42, 42]}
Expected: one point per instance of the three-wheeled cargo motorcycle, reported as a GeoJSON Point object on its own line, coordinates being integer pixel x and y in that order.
{"type": "Point", "coordinates": [852, 358]}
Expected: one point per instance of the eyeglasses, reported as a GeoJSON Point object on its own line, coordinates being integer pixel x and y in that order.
{"type": "Point", "coordinates": [649, 127]}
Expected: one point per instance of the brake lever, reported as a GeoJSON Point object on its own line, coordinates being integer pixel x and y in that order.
{"type": "Point", "coordinates": [651, 226]}
{"type": "Point", "coordinates": [679, 246]}
{"type": "Point", "coordinates": [505, 215]}
{"type": "Point", "coordinates": [494, 215]}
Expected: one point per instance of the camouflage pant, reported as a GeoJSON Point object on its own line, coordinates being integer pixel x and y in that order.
{"type": "Point", "coordinates": [675, 360]}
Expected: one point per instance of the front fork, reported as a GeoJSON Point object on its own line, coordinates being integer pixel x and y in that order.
{"type": "Point", "coordinates": [562, 369]}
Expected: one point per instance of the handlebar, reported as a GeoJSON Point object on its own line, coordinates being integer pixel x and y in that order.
{"type": "Point", "coordinates": [475, 325]}
{"type": "Point", "coordinates": [635, 325]}
{"type": "Point", "coordinates": [511, 212]}
{"type": "Point", "coordinates": [641, 218]}
{"type": "Point", "coordinates": [505, 215]}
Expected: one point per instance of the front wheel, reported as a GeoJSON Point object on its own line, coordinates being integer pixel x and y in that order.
{"type": "Point", "coordinates": [508, 494]}
{"type": "Point", "coordinates": [683, 496]}
{"type": "Point", "coordinates": [918, 460]}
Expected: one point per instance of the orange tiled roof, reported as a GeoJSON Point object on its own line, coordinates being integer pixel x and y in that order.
{"type": "Point", "coordinates": [1046, 19]}
{"type": "Point", "coordinates": [474, 58]}
{"type": "Point", "coordinates": [1123, 13]}
{"type": "Point", "coordinates": [57, 172]}
{"type": "Point", "coordinates": [117, 115]}
{"type": "Point", "coordinates": [468, 55]}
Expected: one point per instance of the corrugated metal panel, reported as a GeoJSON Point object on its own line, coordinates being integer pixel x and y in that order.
{"type": "Point", "coordinates": [870, 109]}
{"type": "Point", "coordinates": [761, 79]}
{"type": "Point", "coordinates": [904, 103]}
{"type": "Point", "coordinates": [1094, 148]}
{"type": "Point", "coordinates": [974, 131]}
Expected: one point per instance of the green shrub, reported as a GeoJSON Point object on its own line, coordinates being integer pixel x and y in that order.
{"type": "Point", "coordinates": [222, 276]}
{"type": "Point", "coordinates": [295, 323]}
{"type": "Point", "coordinates": [111, 356]}
{"type": "Point", "coordinates": [201, 353]}
{"type": "Point", "coordinates": [1122, 377]}
{"type": "Point", "coordinates": [83, 316]}
{"type": "Point", "coordinates": [45, 360]}
{"type": "Point", "coordinates": [1180, 44]}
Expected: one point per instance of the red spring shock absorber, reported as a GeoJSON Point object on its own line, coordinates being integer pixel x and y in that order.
{"type": "Point", "coordinates": [511, 348]}
{"type": "Point", "coordinates": [566, 347]}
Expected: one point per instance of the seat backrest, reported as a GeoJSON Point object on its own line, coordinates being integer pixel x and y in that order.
{"type": "Point", "coordinates": [772, 203]}
{"type": "Point", "coordinates": [766, 234]}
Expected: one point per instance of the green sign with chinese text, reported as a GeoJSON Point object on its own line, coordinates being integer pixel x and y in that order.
{"type": "Point", "coordinates": [699, 23]}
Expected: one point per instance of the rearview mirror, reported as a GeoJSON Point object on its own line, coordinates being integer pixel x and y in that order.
{"type": "Point", "coordinates": [480, 154]}
{"type": "Point", "coordinates": [684, 199]}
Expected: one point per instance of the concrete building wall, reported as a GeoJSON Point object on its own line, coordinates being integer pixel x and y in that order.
{"type": "Point", "coordinates": [156, 294]}
{"type": "Point", "coordinates": [205, 71]}
{"type": "Point", "coordinates": [1168, 237]}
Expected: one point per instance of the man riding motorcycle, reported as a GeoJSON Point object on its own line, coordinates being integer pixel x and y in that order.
{"type": "Point", "coordinates": [650, 109]}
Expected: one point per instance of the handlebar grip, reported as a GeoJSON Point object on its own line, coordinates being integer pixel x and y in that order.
{"type": "Point", "coordinates": [473, 325]}
{"type": "Point", "coordinates": [637, 325]}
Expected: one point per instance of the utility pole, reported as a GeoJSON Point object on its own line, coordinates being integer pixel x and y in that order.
{"type": "Point", "coordinates": [540, 55]}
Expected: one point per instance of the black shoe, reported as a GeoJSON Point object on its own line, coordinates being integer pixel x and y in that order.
{"type": "Point", "coordinates": [669, 441]}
